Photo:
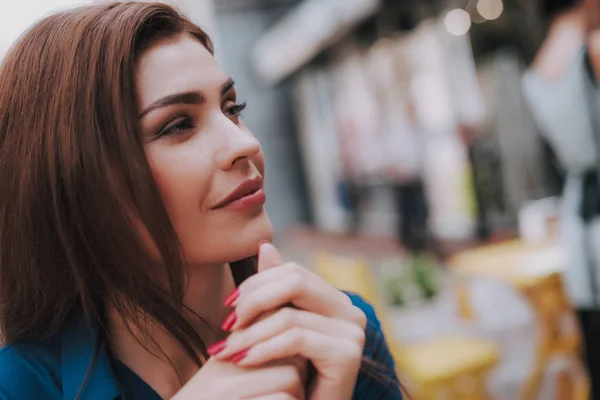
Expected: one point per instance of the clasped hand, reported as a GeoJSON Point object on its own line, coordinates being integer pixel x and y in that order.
{"type": "Point", "coordinates": [282, 318]}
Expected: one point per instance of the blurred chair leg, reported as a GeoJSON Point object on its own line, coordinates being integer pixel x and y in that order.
{"type": "Point", "coordinates": [465, 310]}
{"type": "Point", "coordinates": [581, 389]}
{"type": "Point", "coordinates": [564, 386]}
{"type": "Point", "coordinates": [533, 384]}
{"type": "Point", "coordinates": [581, 381]}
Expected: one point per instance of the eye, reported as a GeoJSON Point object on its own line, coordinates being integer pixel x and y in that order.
{"type": "Point", "coordinates": [177, 126]}
{"type": "Point", "coordinates": [235, 111]}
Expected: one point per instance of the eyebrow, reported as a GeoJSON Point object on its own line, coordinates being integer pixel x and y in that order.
{"type": "Point", "coordinates": [185, 98]}
{"type": "Point", "coordinates": [227, 86]}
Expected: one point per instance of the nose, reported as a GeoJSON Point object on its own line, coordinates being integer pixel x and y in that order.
{"type": "Point", "coordinates": [239, 146]}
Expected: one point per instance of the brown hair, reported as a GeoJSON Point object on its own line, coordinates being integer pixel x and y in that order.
{"type": "Point", "coordinates": [75, 181]}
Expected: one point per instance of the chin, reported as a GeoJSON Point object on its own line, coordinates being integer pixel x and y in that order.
{"type": "Point", "coordinates": [226, 244]}
{"type": "Point", "coordinates": [244, 244]}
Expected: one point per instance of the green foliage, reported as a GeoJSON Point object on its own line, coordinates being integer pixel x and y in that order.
{"type": "Point", "coordinates": [406, 280]}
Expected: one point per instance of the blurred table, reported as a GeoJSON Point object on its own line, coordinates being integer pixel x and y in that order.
{"type": "Point", "coordinates": [536, 271]}
{"type": "Point", "coordinates": [515, 262]}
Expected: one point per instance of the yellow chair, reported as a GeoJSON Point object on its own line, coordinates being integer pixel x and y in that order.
{"type": "Point", "coordinates": [553, 311]}
{"type": "Point", "coordinates": [448, 367]}
{"type": "Point", "coordinates": [559, 337]}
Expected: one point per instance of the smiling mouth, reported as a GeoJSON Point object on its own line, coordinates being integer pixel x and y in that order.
{"type": "Point", "coordinates": [247, 195]}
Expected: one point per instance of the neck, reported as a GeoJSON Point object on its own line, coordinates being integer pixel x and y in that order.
{"type": "Point", "coordinates": [162, 356]}
{"type": "Point", "coordinates": [206, 292]}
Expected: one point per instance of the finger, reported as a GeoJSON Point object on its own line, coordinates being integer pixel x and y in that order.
{"type": "Point", "coordinates": [321, 349]}
{"type": "Point", "coordinates": [276, 396]}
{"type": "Point", "coordinates": [290, 272]}
{"type": "Point", "coordinates": [284, 320]}
{"type": "Point", "coordinates": [268, 257]}
{"type": "Point", "coordinates": [268, 272]}
{"type": "Point", "coordinates": [282, 376]}
{"type": "Point", "coordinates": [335, 359]}
{"type": "Point", "coordinates": [294, 290]}
{"type": "Point", "coordinates": [299, 363]}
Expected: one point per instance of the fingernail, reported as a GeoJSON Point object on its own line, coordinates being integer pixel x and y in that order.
{"type": "Point", "coordinates": [262, 242]}
{"type": "Point", "coordinates": [216, 348]}
{"type": "Point", "coordinates": [237, 357]}
{"type": "Point", "coordinates": [229, 321]}
{"type": "Point", "coordinates": [229, 300]}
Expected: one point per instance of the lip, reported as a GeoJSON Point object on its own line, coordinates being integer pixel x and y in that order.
{"type": "Point", "coordinates": [249, 194]}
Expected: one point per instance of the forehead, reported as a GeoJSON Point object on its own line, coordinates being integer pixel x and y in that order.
{"type": "Point", "coordinates": [175, 65]}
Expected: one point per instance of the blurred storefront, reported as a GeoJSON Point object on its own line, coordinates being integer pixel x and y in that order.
{"type": "Point", "coordinates": [422, 164]}
{"type": "Point", "coordinates": [389, 94]}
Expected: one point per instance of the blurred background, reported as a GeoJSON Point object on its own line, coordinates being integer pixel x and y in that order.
{"type": "Point", "coordinates": [438, 157]}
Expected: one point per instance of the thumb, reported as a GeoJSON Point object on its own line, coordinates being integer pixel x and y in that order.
{"type": "Point", "coordinates": [268, 257]}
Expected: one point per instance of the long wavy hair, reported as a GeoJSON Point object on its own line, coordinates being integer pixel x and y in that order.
{"type": "Point", "coordinates": [76, 185]}
{"type": "Point", "coordinates": [75, 181]}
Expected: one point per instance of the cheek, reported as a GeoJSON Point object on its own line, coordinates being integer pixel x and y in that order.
{"type": "Point", "coordinates": [183, 179]}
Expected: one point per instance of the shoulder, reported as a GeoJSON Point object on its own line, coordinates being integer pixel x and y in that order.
{"type": "Point", "coordinates": [552, 59]}
{"type": "Point", "coordinates": [376, 346]}
{"type": "Point", "coordinates": [377, 377]}
{"type": "Point", "coordinates": [30, 370]}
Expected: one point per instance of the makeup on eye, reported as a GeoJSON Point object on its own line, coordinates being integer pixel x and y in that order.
{"type": "Point", "coordinates": [178, 125]}
{"type": "Point", "coordinates": [232, 107]}
{"type": "Point", "coordinates": [236, 110]}
{"type": "Point", "coordinates": [186, 123]}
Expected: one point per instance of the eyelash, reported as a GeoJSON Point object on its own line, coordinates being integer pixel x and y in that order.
{"type": "Point", "coordinates": [237, 110]}
{"type": "Point", "coordinates": [187, 123]}
{"type": "Point", "coordinates": [183, 125]}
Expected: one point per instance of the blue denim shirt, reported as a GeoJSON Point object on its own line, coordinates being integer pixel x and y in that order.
{"type": "Point", "coordinates": [60, 368]}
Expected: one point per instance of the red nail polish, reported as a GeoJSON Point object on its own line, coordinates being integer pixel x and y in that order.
{"type": "Point", "coordinates": [229, 300]}
{"type": "Point", "coordinates": [229, 321]}
{"type": "Point", "coordinates": [237, 357]}
{"type": "Point", "coordinates": [216, 348]}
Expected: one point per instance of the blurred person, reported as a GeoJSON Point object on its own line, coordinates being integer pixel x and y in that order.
{"type": "Point", "coordinates": [132, 205]}
{"type": "Point", "coordinates": [560, 87]}
{"type": "Point", "coordinates": [409, 189]}
{"type": "Point", "coordinates": [566, 24]}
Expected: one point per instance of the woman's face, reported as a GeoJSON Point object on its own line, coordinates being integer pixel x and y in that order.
{"type": "Point", "coordinates": [207, 164]}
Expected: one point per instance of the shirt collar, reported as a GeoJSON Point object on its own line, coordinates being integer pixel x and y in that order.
{"type": "Point", "coordinates": [79, 345]}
